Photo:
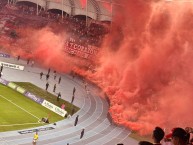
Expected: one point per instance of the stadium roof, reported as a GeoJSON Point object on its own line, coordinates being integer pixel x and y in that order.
{"type": "Point", "coordinates": [101, 10]}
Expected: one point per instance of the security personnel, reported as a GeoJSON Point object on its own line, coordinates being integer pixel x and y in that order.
{"type": "Point", "coordinates": [35, 138]}
{"type": "Point", "coordinates": [54, 88]}
{"type": "Point", "coordinates": [47, 85]}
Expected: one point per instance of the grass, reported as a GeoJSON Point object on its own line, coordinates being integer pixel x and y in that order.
{"type": "Point", "coordinates": [46, 95]}
{"type": "Point", "coordinates": [18, 112]}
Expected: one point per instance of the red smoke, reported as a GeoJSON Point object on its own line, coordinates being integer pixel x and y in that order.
{"type": "Point", "coordinates": [145, 64]}
{"type": "Point", "coordinates": [44, 47]}
{"type": "Point", "coordinates": [147, 74]}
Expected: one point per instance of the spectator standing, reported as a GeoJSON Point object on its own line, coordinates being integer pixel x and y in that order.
{"type": "Point", "coordinates": [28, 60]}
{"type": "Point", "coordinates": [1, 68]}
{"type": "Point", "coordinates": [63, 106]}
{"type": "Point", "coordinates": [41, 74]}
{"type": "Point", "coordinates": [74, 90]}
{"type": "Point", "coordinates": [59, 80]}
{"type": "Point", "coordinates": [47, 76]}
{"type": "Point", "coordinates": [59, 96]}
{"type": "Point", "coordinates": [54, 88]}
{"type": "Point", "coordinates": [18, 57]}
{"type": "Point", "coordinates": [82, 134]}
{"type": "Point", "coordinates": [76, 120]}
{"type": "Point", "coordinates": [47, 85]}
{"type": "Point", "coordinates": [54, 75]}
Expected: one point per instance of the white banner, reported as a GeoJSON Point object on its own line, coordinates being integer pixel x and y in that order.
{"type": "Point", "coordinates": [11, 65]}
{"type": "Point", "coordinates": [84, 49]}
{"type": "Point", "coordinates": [88, 52]}
{"type": "Point", "coordinates": [54, 108]}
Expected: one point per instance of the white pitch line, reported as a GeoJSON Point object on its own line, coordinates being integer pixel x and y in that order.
{"type": "Point", "coordinates": [19, 124]}
{"type": "Point", "coordinates": [20, 107]}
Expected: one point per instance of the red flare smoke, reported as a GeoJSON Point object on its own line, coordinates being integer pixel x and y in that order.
{"type": "Point", "coordinates": [145, 64]}
{"type": "Point", "coordinates": [148, 77]}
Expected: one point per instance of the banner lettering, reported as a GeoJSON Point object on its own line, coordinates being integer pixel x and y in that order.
{"type": "Point", "coordinates": [54, 108]}
{"type": "Point", "coordinates": [13, 66]}
{"type": "Point", "coordinates": [73, 48]}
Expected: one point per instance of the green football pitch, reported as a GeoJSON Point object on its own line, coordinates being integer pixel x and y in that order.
{"type": "Point", "coordinates": [19, 112]}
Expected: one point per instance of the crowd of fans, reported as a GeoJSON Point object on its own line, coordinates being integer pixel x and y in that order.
{"type": "Point", "coordinates": [177, 136]}
{"type": "Point", "coordinates": [2, 4]}
{"type": "Point", "coordinates": [92, 34]}
{"type": "Point", "coordinates": [25, 14]}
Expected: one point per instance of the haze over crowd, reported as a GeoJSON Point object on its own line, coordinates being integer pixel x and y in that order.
{"type": "Point", "coordinates": [144, 64]}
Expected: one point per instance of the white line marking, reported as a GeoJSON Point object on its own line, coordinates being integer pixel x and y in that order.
{"type": "Point", "coordinates": [20, 107]}
{"type": "Point", "coordinates": [19, 124]}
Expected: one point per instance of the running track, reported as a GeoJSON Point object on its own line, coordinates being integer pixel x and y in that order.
{"type": "Point", "coordinates": [92, 115]}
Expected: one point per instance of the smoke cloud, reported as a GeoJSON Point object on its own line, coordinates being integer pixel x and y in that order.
{"type": "Point", "coordinates": [144, 65]}
{"type": "Point", "coordinates": [147, 74]}
{"type": "Point", "coordinates": [44, 46]}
